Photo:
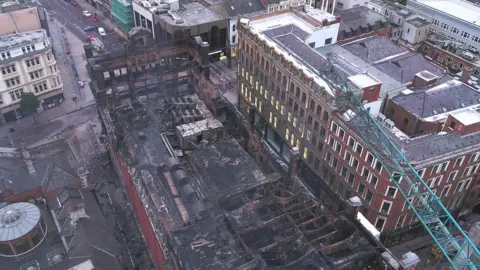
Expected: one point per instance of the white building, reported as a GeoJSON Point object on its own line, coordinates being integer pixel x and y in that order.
{"type": "Point", "coordinates": [458, 20]}
{"type": "Point", "coordinates": [27, 65]}
{"type": "Point", "coordinates": [408, 27]}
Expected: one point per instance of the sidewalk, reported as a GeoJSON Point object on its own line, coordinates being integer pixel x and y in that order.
{"type": "Point", "coordinates": [85, 98]}
{"type": "Point", "coordinates": [104, 20]}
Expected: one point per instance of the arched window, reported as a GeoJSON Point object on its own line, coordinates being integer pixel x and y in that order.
{"type": "Point", "coordinates": [292, 87]}
{"type": "Point", "coordinates": [274, 71]}
{"type": "Point", "coordinates": [234, 28]}
{"type": "Point", "coordinates": [262, 63]}
{"type": "Point", "coordinates": [284, 81]}
{"type": "Point", "coordinates": [319, 110]}
{"type": "Point", "coordinates": [267, 66]}
{"type": "Point", "coordinates": [258, 57]}
{"type": "Point", "coordinates": [22, 246]}
{"type": "Point", "coordinates": [304, 98]}
{"type": "Point", "coordinates": [297, 92]}
{"type": "Point", "coordinates": [279, 75]}
{"type": "Point", "coordinates": [5, 250]}
{"type": "Point", "coordinates": [312, 105]}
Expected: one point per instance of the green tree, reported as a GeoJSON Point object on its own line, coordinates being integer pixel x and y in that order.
{"type": "Point", "coordinates": [29, 104]}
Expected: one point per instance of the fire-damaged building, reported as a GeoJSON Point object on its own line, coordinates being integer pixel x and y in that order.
{"type": "Point", "coordinates": [203, 203]}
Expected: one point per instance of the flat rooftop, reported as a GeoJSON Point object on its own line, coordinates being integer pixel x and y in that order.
{"type": "Point", "coordinates": [350, 64]}
{"type": "Point", "coordinates": [467, 116]}
{"type": "Point", "coordinates": [363, 80]}
{"type": "Point", "coordinates": [16, 40]}
{"type": "Point", "coordinates": [190, 14]}
{"type": "Point", "coordinates": [287, 32]}
{"type": "Point", "coordinates": [459, 9]}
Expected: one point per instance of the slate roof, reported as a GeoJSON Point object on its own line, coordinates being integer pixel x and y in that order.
{"type": "Point", "coordinates": [90, 237]}
{"type": "Point", "coordinates": [446, 96]}
{"type": "Point", "coordinates": [374, 48]}
{"type": "Point", "coordinates": [50, 173]}
{"type": "Point", "coordinates": [404, 67]}
{"type": "Point", "coordinates": [359, 17]}
{"type": "Point", "coordinates": [238, 7]}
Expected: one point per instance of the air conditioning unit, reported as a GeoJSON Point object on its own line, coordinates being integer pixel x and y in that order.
{"type": "Point", "coordinates": [389, 124]}
{"type": "Point", "coordinates": [381, 118]}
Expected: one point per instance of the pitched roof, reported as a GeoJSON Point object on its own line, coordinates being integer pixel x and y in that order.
{"type": "Point", "coordinates": [404, 67]}
{"type": "Point", "coordinates": [445, 97]}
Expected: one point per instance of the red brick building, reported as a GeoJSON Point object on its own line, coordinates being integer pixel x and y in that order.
{"type": "Point", "coordinates": [449, 56]}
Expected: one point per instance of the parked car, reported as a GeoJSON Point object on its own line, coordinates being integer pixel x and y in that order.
{"type": "Point", "coordinates": [102, 32]}
{"type": "Point", "coordinates": [86, 13]}
{"type": "Point", "coordinates": [94, 19]}
{"type": "Point", "coordinates": [89, 28]}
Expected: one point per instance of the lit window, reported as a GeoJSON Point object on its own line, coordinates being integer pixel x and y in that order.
{"type": "Point", "coordinates": [305, 153]}
{"type": "Point", "coordinates": [275, 120]}
{"type": "Point", "coordinates": [282, 109]}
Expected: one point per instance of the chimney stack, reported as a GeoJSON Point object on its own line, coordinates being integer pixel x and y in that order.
{"type": "Point", "coordinates": [466, 73]}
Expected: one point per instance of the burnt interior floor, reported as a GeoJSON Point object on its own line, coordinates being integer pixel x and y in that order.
{"type": "Point", "coordinates": [210, 202]}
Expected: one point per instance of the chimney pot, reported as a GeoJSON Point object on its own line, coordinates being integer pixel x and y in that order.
{"type": "Point", "coordinates": [466, 73]}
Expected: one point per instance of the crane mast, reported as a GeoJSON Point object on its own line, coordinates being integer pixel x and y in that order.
{"type": "Point", "coordinates": [426, 206]}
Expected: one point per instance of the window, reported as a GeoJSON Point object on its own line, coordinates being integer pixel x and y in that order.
{"type": "Point", "coordinates": [361, 188]}
{"type": "Point", "coordinates": [476, 39]}
{"type": "Point", "coordinates": [328, 41]}
{"type": "Point", "coordinates": [391, 192]}
{"type": "Point", "coordinates": [445, 191]}
{"type": "Point", "coordinates": [454, 30]}
{"type": "Point", "coordinates": [475, 157]}
{"type": "Point", "coordinates": [16, 94]}
{"type": "Point", "coordinates": [40, 87]}
{"type": "Point", "coordinates": [459, 161]}
{"type": "Point", "coordinates": [374, 180]}
{"type": "Point", "coordinates": [12, 82]}
{"type": "Point", "coordinates": [400, 221]}
{"type": "Point", "coordinates": [359, 149]}
{"type": "Point", "coordinates": [463, 185]}
{"type": "Point", "coordinates": [1, 100]}
{"type": "Point", "coordinates": [380, 223]}
{"type": "Point", "coordinates": [234, 39]}
{"type": "Point", "coordinates": [435, 22]}
{"type": "Point", "coordinates": [5, 55]}
{"type": "Point", "coordinates": [351, 142]}
{"type": "Point", "coordinates": [36, 74]}
{"type": "Point", "coordinates": [452, 176]}
{"type": "Point", "coordinates": [29, 48]}
{"type": "Point", "coordinates": [32, 62]}
{"type": "Point", "coordinates": [369, 196]}
{"type": "Point", "coordinates": [234, 28]}
{"type": "Point", "coordinates": [9, 69]}
{"type": "Point", "coordinates": [465, 34]}
{"type": "Point", "coordinates": [444, 26]}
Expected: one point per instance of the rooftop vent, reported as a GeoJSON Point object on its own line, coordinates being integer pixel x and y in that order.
{"type": "Point", "coordinates": [56, 256]}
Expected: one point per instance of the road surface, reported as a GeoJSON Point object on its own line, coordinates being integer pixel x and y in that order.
{"type": "Point", "coordinates": [74, 20]}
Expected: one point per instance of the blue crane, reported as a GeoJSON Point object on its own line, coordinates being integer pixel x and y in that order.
{"type": "Point", "coordinates": [426, 206]}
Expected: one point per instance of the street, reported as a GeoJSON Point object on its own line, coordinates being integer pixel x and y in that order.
{"type": "Point", "coordinates": [73, 19]}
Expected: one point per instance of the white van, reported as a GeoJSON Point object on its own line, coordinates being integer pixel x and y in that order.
{"type": "Point", "coordinates": [102, 32]}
